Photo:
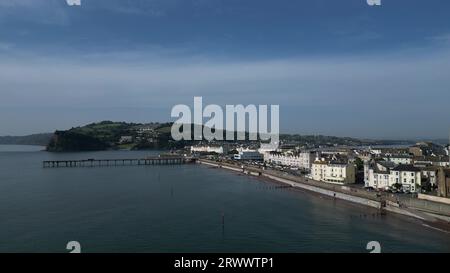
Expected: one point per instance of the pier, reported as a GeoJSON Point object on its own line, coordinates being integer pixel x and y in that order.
{"type": "Point", "coordinates": [115, 162]}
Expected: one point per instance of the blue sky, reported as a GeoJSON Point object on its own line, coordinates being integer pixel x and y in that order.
{"type": "Point", "coordinates": [334, 67]}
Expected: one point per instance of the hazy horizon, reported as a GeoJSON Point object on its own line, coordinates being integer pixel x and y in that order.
{"type": "Point", "coordinates": [445, 139]}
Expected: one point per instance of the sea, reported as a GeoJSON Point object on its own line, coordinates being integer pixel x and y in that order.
{"type": "Point", "coordinates": [182, 208]}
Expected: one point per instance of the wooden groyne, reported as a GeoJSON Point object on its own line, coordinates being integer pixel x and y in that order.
{"type": "Point", "coordinates": [115, 162]}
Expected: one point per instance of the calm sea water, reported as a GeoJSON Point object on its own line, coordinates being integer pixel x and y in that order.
{"type": "Point", "coordinates": [181, 209]}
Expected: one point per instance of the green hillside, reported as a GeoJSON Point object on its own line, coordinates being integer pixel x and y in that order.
{"type": "Point", "coordinates": [112, 135]}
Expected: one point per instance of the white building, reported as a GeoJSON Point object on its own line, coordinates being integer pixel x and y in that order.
{"type": "Point", "coordinates": [383, 175]}
{"type": "Point", "coordinates": [425, 161]}
{"type": "Point", "coordinates": [377, 174]}
{"type": "Point", "coordinates": [333, 171]}
{"type": "Point", "coordinates": [301, 160]}
{"type": "Point", "coordinates": [379, 179]}
{"type": "Point", "coordinates": [375, 151]}
{"type": "Point", "coordinates": [207, 149]}
{"type": "Point", "coordinates": [399, 159]}
{"type": "Point", "coordinates": [125, 139]}
{"type": "Point", "coordinates": [267, 148]}
{"type": "Point", "coordinates": [248, 155]}
{"type": "Point", "coordinates": [406, 175]}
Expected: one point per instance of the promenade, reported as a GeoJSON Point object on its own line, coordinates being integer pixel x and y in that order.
{"type": "Point", "coordinates": [420, 209]}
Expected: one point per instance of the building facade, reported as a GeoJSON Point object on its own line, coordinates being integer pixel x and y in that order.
{"type": "Point", "coordinates": [408, 176]}
{"type": "Point", "coordinates": [302, 160]}
{"type": "Point", "coordinates": [385, 175]}
{"type": "Point", "coordinates": [429, 175]}
{"type": "Point", "coordinates": [333, 171]}
{"type": "Point", "coordinates": [399, 159]}
{"type": "Point", "coordinates": [249, 155]}
{"type": "Point", "coordinates": [438, 161]}
{"type": "Point", "coordinates": [207, 149]}
{"type": "Point", "coordinates": [443, 182]}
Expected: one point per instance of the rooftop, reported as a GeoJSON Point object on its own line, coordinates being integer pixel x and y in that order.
{"type": "Point", "coordinates": [406, 168]}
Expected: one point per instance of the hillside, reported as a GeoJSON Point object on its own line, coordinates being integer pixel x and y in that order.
{"type": "Point", "coordinates": [136, 136]}
{"type": "Point", "coordinates": [116, 135]}
{"type": "Point", "coordinates": [112, 135]}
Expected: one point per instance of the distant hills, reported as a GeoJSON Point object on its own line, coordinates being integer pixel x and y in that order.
{"type": "Point", "coordinates": [138, 136]}
{"type": "Point", "coordinates": [35, 139]}
{"type": "Point", "coordinates": [314, 140]}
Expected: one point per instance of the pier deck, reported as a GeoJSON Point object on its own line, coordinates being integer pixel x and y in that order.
{"type": "Point", "coordinates": [114, 162]}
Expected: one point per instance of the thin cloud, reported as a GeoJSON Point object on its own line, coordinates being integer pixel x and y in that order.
{"type": "Point", "coordinates": [285, 80]}
{"type": "Point", "coordinates": [47, 12]}
{"type": "Point", "coordinates": [316, 93]}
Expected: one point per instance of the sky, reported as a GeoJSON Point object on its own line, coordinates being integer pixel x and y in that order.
{"type": "Point", "coordinates": [339, 68]}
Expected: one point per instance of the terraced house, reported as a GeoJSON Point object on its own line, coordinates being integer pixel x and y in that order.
{"type": "Point", "coordinates": [406, 175]}
{"type": "Point", "coordinates": [334, 170]}
{"type": "Point", "coordinates": [302, 160]}
{"type": "Point", "coordinates": [386, 174]}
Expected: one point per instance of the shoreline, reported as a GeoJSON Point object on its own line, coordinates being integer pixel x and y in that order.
{"type": "Point", "coordinates": [440, 223]}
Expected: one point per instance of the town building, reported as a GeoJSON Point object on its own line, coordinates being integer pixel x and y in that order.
{"type": "Point", "coordinates": [334, 170]}
{"type": "Point", "coordinates": [287, 148]}
{"type": "Point", "coordinates": [404, 159]}
{"type": "Point", "coordinates": [408, 176]}
{"type": "Point", "coordinates": [427, 149]}
{"type": "Point", "coordinates": [302, 160]}
{"type": "Point", "coordinates": [377, 174]}
{"type": "Point", "coordinates": [251, 155]}
{"type": "Point", "coordinates": [208, 149]}
{"type": "Point", "coordinates": [443, 182]}
{"type": "Point", "coordinates": [267, 148]}
{"type": "Point", "coordinates": [429, 175]}
{"type": "Point", "coordinates": [384, 175]}
{"type": "Point", "coordinates": [334, 151]}
{"type": "Point", "coordinates": [416, 150]}
{"type": "Point", "coordinates": [425, 161]}
{"type": "Point", "coordinates": [126, 139]}
{"type": "Point", "coordinates": [379, 179]}
{"type": "Point", "coordinates": [388, 151]}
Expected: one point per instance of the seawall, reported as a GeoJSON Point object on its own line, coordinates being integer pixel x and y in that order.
{"type": "Point", "coordinates": [338, 195]}
{"type": "Point", "coordinates": [330, 193]}
{"type": "Point", "coordinates": [338, 192]}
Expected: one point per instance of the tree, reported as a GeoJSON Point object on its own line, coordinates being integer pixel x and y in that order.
{"type": "Point", "coordinates": [426, 187]}
{"type": "Point", "coordinates": [359, 164]}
